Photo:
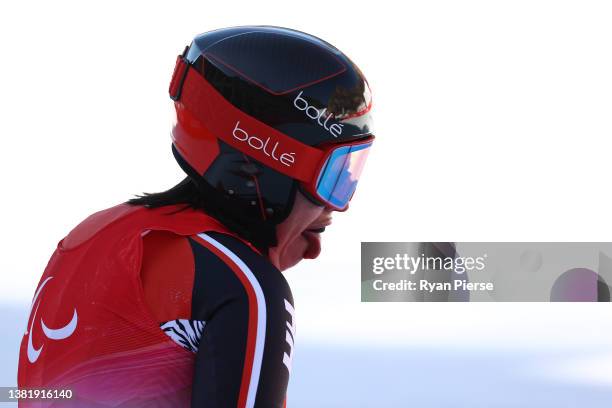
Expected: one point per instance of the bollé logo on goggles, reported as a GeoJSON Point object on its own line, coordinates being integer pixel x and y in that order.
{"type": "Point", "coordinates": [256, 143]}
{"type": "Point", "coordinates": [335, 129]}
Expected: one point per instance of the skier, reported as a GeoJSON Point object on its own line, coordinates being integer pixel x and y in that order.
{"type": "Point", "coordinates": [177, 298]}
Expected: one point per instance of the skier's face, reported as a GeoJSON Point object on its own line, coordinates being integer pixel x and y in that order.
{"type": "Point", "coordinates": [297, 236]}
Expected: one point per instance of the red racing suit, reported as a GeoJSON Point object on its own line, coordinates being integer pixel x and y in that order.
{"type": "Point", "coordinates": [92, 331]}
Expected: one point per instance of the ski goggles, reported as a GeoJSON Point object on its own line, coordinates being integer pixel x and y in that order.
{"type": "Point", "coordinates": [338, 176]}
{"type": "Point", "coordinates": [329, 172]}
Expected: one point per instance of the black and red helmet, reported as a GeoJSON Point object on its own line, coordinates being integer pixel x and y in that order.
{"type": "Point", "coordinates": [263, 111]}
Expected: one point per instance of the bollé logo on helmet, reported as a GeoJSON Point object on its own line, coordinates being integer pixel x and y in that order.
{"type": "Point", "coordinates": [313, 113]}
{"type": "Point", "coordinates": [258, 144]}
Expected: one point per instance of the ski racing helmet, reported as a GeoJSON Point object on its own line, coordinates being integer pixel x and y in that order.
{"type": "Point", "coordinates": [262, 111]}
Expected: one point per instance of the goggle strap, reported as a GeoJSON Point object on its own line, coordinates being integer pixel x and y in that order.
{"type": "Point", "coordinates": [240, 130]}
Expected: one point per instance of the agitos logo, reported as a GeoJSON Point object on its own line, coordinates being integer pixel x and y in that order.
{"type": "Point", "coordinates": [51, 334]}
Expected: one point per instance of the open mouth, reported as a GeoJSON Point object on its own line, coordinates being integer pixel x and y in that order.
{"type": "Point", "coordinates": [316, 230]}
{"type": "Point", "coordinates": [312, 235]}
{"type": "Point", "coordinates": [313, 238]}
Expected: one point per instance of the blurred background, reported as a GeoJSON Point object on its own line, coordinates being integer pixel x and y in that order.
{"type": "Point", "coordinates": [493, 123]}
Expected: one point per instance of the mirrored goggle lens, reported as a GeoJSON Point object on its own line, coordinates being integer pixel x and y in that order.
{"type": "Point", "coordinates": [339, 176]}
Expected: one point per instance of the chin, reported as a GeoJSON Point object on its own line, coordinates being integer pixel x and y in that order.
{"type": "Point", "coordinates": [286, 264]}
{"type": "Point", "coordinates": [292, 259]}
{"type": "Point", "coordinates": [292, 254]}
